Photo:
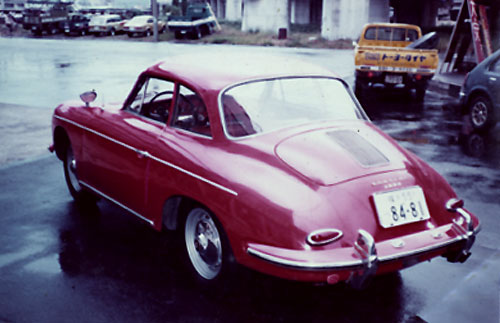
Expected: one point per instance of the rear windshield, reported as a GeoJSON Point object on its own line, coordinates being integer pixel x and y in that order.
{"type": "Point", "coordinates": [391, 34]}
{"type": "Point", "coordinates": [267, 105]}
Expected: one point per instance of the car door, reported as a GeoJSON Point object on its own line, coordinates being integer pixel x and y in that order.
{"type": "Point", "coordinates": [493, 81]}
{"type": "Point", "coordinates": [118, 151]}
{"type": "Point", "coordinates": [180, 156]}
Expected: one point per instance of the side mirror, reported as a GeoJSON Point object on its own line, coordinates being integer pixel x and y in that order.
{"type": "Point", "coordinates": [88, 97]}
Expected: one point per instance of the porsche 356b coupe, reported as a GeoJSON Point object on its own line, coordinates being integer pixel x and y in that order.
{"type": "Point", "coordinates": [267, 163]}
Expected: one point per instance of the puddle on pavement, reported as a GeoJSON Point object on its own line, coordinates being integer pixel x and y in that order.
{"type": "Point", "coordinates": [46, 265]}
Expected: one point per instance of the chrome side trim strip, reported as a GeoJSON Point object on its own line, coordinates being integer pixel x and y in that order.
{"type": "Point", "coordinates": [230, 191]}
{"type": "Point", "coordinates": [95, 132]}
{"type": "Point", "coordinates": [116, 202]}
{"type": "Point", "coordinates": [146, 154]}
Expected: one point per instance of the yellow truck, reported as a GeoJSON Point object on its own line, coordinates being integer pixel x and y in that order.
{"type": "Point", "coordinates": [395, 55]}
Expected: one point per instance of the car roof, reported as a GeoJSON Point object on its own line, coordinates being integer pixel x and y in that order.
{"type": "Point", "coordinates": [217, 71]}
{"type": "Point", "coordinates": [106, 16]}
{"type": "Point", "coordinates": [142, 17]}
{"type": "Point", "coordinates": [391, 25]}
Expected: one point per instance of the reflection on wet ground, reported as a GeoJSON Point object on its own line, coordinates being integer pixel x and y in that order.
{"type": "Point", "coordinates": [435, 123]}
{"type": "Point", "coordinates": [145, 266]}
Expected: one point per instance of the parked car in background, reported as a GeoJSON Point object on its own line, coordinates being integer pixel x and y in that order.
{"type": "Point", "coordinates": [480, 94]}
{"type": "Point", "coordinates": [106, 25]}
{"type": "Point", "coordinates": [385, 56]}
{"type": "Point", "coordinates": [262, 161]}
{"type": "Point", "coordinates": [198, 21]}
{"type": "Point", "coordinates": [142, 26]}
{"type": "Point", "coordinates": [77, 24]}
{"type": "Point", "coordinates": [45, 16]}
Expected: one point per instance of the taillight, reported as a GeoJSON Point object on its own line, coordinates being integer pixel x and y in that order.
{"type": "Point", "coordinates": [323, 236]}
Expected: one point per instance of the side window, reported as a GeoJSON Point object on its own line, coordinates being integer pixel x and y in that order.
{"type": "Point", "coordinates": [154, 99]}
{"type": "Point", "coordinates": [495, 67]}
{"type": "Point", "coordinates": [411, 35]}
{"type": "Point", "coordinates": [191, 113]}
{"type": "Point", "coordinates": [370, 33]}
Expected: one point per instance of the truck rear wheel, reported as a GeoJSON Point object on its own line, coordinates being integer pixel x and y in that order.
{"type": "Point", "coordinates": [420, 93]}
{"type": "Point", "coordinates": [359, 88]}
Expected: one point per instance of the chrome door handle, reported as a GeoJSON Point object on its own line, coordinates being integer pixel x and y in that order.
{"type": "Point", "coordinates": [493, 79]}
{"type": "Point", "coordinates": [142, 153]}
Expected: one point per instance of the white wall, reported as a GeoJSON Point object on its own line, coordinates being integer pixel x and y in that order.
{"type": "Point", "coordinates": [344, 19]}
{"type": "Point", "coordinates": [233, 10]}
{"type": "Point", "coordinates": [379, 11]}
{"type": "Point", "coordinates": [265, 15]}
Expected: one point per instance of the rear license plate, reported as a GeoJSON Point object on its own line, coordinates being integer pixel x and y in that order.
{"type": "Point", "coordinates": [394, 79]}
{"type": "Point", "coordinates": [401, 206]}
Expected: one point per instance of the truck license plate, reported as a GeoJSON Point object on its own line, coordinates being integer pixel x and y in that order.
{"type": "Point", "coordinates": [394, 79]}
{"type": "Point", "coordinates": [401, 206]}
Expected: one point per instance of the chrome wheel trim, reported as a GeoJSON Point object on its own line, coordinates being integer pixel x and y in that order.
{"type": "Point", "coordinates": [479, 113]}
{"type": "Point", "coordinates": [203, 243]}
{"type": "Point", "coordinates": [71, 168]}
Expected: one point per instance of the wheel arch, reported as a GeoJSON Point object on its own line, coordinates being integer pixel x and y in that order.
{"type": "Point", "coordinates": [474, 94]}
{"type": "Point", "coordinates": [175, 207]}
{"type": "Point", "coordinates": [61, 142]}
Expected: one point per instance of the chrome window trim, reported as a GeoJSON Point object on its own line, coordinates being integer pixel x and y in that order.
{"type": "Point", "coordinates": [116, 202]}
{"type": "Point", "coordinates": [147, 154]}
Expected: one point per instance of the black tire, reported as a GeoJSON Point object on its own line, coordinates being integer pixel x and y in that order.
{"type": "Point", "coordinates": [178, 35]}
{"type": "Point", "coordinates": [196, 34]}
{"type": "Point", "coordinates": [420, 93]}
{"type": "Point", "coordinates": [206, 248]}
{"type": "Point", "coordinates": [78, 193]}
{"type": "Point", "coordinates": [359, 88]}
{"type": "Point", "coordinates": [481, 113]}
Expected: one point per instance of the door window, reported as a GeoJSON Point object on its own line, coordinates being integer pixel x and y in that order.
{"type": "Point", "coordinates": [191, 113]}
{"type": "Point", "coordinates": [495, 67]}
{"type": "Point", "coordinates": [154, 99]}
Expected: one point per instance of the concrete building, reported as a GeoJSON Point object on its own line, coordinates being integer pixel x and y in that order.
{"type": "Point", "coordinates": [337, 18]}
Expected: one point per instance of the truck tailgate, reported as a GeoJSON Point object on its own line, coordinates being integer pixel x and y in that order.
{"type": "Point", "coordinates": [393, 59]}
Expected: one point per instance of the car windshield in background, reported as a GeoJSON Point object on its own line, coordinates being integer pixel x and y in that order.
{"type": "Point", "coordinates": [268, 105]}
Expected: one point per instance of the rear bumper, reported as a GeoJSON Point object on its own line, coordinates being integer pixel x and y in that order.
{"type": "Point", "coordinates": [411, 78]}
{"type": "Point", "coordinates": [365, 258]}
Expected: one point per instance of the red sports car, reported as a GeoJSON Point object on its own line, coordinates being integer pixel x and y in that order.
{"type": "Point", "coordinates": [265, 162]}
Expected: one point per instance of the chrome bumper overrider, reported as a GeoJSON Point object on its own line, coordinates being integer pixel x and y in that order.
{"type": "Point", "coordinates": [364, 246]}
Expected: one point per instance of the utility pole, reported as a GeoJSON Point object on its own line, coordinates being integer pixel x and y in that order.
{"type": "Point", "coordinates": [154, 7]}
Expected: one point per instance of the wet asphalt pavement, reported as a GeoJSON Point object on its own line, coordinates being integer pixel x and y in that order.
{"type": "Point", "coordinates": [64, 263]}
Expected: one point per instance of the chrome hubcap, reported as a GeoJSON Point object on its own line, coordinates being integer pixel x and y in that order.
{"type": "Point", "coordinates": [71, 162]}
{"type": "Point", "coordinates": [203, 243]}
{"type": "Point", "coordinates": [479, 114]}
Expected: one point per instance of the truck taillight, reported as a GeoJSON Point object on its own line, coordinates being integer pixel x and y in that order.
{"type": "Point", "coordinates": [418, 77]}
